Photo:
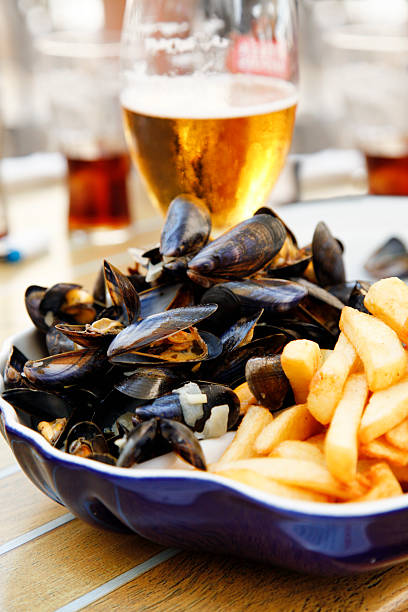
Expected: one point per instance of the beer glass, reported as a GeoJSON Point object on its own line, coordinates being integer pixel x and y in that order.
{"type": "Point", "coordinates": [81, 78]}
{"type": "Point", "coordinates": [209, 95]}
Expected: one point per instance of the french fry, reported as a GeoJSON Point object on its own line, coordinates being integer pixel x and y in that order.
{"type": "Point", "coordinates": [327, 384]}
{"type": "Point", "coordinates": [242, 446]}
{"type": "Point", "coordinates": [317, 441]}
{"type": "Point", "coordinates": [381, 449]}
{"type": "Point", "coordinates": [341, 446]}
{"type": "Point", "coordinates": [383, 483]}
{"type": "Point", "coordinates": [296, 449]}
{"type": "Point", "coordinates": [245, 396]}
{"type": "Point", "coordinates": [387, 299]}
{"type": "Point", "coordinates": [254, 479]}
{"type": "Point", "coordinates": [400, 472]}
{"type": "Point", "coordinates": [299, 473]}
{"type": "Point", "coordinates": [378, 346]}
{"type": "Point", "coordinates": [295, 423]}
{"type": "Point", "coordinates": [385, 410]}
{"type": "Point", "coordinates": [300, 360]}
{"type": "Point", "coordinates": [398, 435]}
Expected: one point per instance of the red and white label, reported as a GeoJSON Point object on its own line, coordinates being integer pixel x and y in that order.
{"type": "Point", "coordinates": [264, 57]}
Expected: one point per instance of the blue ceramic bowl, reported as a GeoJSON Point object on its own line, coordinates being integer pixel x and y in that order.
{"type": "Point", "coordinates": [202, 511]}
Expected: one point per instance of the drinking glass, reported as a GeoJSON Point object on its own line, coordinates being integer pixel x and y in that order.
{"type": "Point", "coordinates": [81, 77]}
{"type": "Point", "coordinates": [209, 94]}
{"type": "Point", "coordinates": [371, 75]}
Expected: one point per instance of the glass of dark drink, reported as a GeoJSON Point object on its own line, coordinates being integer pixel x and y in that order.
{"type": "Point", "coordinates": [371, 75]}
{"type": "Point", "coordinates": [81, 76]}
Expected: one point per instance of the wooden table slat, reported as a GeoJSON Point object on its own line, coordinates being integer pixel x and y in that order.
{"type": "Point", "coordinates": [51, 571]}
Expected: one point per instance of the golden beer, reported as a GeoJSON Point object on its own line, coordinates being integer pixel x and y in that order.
{"type": "Point", "coordinates": [224, 138]}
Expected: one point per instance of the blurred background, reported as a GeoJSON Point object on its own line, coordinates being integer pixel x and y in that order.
{"type": "Point", "coordinates": [327, 158]}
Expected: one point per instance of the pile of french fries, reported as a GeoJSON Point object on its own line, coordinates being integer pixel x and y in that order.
{"type": "Point", "coordinates": [346, 439]}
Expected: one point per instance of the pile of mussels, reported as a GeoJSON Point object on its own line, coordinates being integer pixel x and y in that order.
{"type": "Point", "coordinates": [149, 362]}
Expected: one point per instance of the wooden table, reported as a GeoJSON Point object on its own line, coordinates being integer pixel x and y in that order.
{"type": "Point", "coordinates": [50, 561]}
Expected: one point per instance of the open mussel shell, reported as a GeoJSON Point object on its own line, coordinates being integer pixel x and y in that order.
{"type": "Point", "coordinates": [290, 261]}
{"type": "Point", "coordinates": [327, 253]}
{"type": "Point", "coordinates": [158, 327]}
{"type": "Point", "coordinates": [140, 444]}
{"type": "Point", "coordinates": [186, 228]}
{"type": "Point", "coordinates": [147, 383]}
{"type": "Point", "coordinates": [85, 438]}
{"type": "Point", "coordinates": [122, 292]}
{"type": "Point", "coordinates": [33, 297]}
{"type": "Point", "coordinates": [12, 375]}
{"type": "Point", "coordinates": [390, 259]}
{"type": "Point", "coordinates": [183, 442]}
{"type": "Point", "coordinates": [58, 342]}
{"type": "Point", "coordinates": [65, 369]}
{"type": "Point", "coordinates": [241, 331]}
{"type": "Point", "coordinates": [170, 406]}
{"type": "Point", "coordinates": [241, 251]}
{"type": "Point", "coordinates": [164, 297]}
{"type": "Point", "coordinates": [67, 301]}
{"type": "Point", "coordinates": [273, 295]}
{"type": "Point", "coordinates": [98, 334]}
{"type": "Point", "coordinates": [267, 381]}
{"type": "Point", "coordinates": [210, 345]}
{"type": "Point", "coordinates": [229, 369]}
{"type": "Point", "coordinates": [40, 405]}
{"type": "Point", "coordinates": [229, 309]}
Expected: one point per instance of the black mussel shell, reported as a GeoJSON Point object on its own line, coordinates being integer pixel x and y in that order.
{"type": "Point", "coordinates": [292, 263]}
{"type": "Point", "coordinates": [241, 251]}
{"type": "Point", "coordinates": [390, 259]}
{"type": "Point", "coordinates": [267, 381]}
{"type": "Point", "coordinates": [65, 369]}
{"type": "Point", "coordinates": [13, 369]}
{"type": "Point", "coordinates": [241, 331]}
{"type": "Point", "coordinates": [328, 263]}
{"type": "Point", "coordinates": [212, 345]}
{"type": "Point", "coordinates": [229, 309]}
{"type": "Point", "coordinates": [274, 295]}
{"type": "Point", "coordinates": [186, 228]}
{"type": "Point", "coordinates": [157, 327]}
{"type": "Point", "coordinates": [33, 297]}
{"type": "Point", "coordinates": [122, 292]}
{"type": "Point", "coordinates": [67, 301]}
{"type": "Point", "coordinates": [57, 342]}
{"type": "Point", "coordinates": [147, 383]}
{"type": "Point", "coordinates": [168, 406]}
{"type": "Point", "coordinates": [139, 444]}
{"type": "Point", "coordinates": [229, 369]}
{"type": "Point", "coordinates": [103, 458]}
{"type": "Point", "coordinates": [87, 434]}
{"type": "Point", "coordinates": [358, 294]}
{"type": "Point", "coordinates": [183, 442]}
{"type": "Point", "coordinates": [98, 334]}
{"type": "Point", "coordinates": [158, 299]}
{"type": "Point", "coordinates": [41, 405]}
{"type": "Point", "coordinates": [322, 295]}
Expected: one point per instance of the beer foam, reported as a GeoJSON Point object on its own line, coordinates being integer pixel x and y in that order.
{"type": "Point", "coordinates": [208, 97]}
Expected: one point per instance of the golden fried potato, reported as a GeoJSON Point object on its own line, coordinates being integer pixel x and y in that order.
{"type": "Point", "coordinates": [385, 410]}
{"type": "Point", "coordinates": [245, 396]}
{"type": "Point", "coordinates": [383, 483]}
{"type": "Point", "coordinates": [398, 435]}
{"type": "Point", "coordinates": [300, 360]}
{"type": "Point", "coordinates": [297, 449]}
{"type": "Point", "coordinates": [327, 384]}
{"type": "Point", "coordinates": [378, 346]}
{"type": "Point", "coordinates": [299, 473]}
{"type": "Point", "coordinates": [242, 446]}
{"type": "Point", "coordinates": [387, 299]}
{"type": "Point", "coordinates": [341, 445]}
{"type": "Point", "coordinates": [381, 449]}
{"type": "Point", "coordinates": [295, 423]}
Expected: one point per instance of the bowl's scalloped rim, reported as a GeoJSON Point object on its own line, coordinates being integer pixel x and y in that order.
{"type": "Point", "coordinates": [300, 507]}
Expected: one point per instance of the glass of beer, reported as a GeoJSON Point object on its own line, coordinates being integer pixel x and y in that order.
{"type": "Point", "coordinates": [371, 76]}
{"type": "Point", "coordinates": [209, 94]}
{"type": "Point", "coordinates": [81, 77]}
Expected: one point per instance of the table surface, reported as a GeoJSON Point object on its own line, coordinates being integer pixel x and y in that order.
{"type": "Point", "coordinates": [50, 560]}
